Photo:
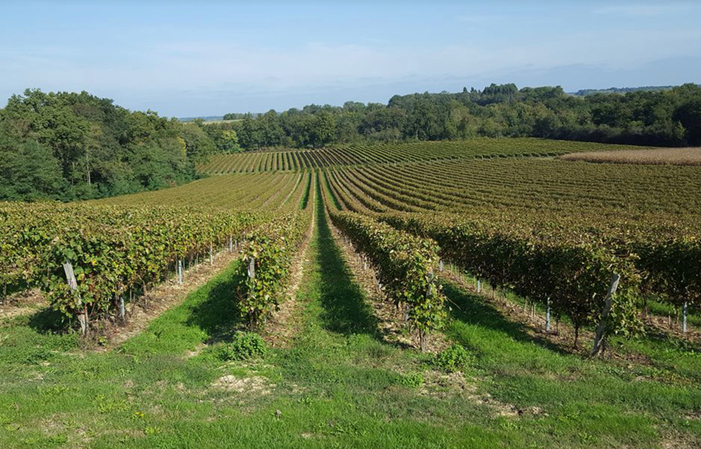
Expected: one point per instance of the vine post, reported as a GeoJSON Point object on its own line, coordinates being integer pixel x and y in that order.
{"type": "Point", "coordinates": [73, 284]}
{"type": "Point", "coordinates": [251, 271]}
{"type": "Point", "coordinates": [122, 309]}
{"type": "Point", "coordinates": [684, 312]}
{"type": "Point", "coordinates": [600, 339]}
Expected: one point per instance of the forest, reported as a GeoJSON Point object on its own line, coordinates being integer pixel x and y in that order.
{"type": "Point", "coordinates": [670, 117]}
{"type": "Point", "coordinates": [76, 146]}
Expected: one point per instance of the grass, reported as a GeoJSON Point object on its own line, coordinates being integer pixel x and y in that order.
{"type": "Point", "coordinates": [340, 384]}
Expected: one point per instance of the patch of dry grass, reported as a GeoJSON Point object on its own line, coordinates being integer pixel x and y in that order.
{"type": "Point", "coordinates": [653, 156]}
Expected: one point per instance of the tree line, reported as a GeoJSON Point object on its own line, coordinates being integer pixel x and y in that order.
{"type": "Point", "coordinates": [76, 146]}
{"type": "Point", "coordinates": [669, 117]}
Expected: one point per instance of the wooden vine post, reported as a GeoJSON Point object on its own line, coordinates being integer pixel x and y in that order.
{"type": "Point", "coordinates": [73, 284]}
{"type": "Point", "coordinates": [429, 293]}
{"type": "Point", "coordinates": [599, 341]}
{"type": "Point", "coordinates": [251, 271]}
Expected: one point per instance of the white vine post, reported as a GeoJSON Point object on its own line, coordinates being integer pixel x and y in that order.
{"type": "Point", "coordinates": [252, 268]}
{"type": "Point", "coordinates": [547, 316]}
{"type": "Point", "coordinates": [684, 311]}
{"type": "Point", "coordinates": [440, 265]}
{"type": "Point", "coordinates": [479, 286]}
{"type": "Point", "coordinates": [73, 284]}
{"type": "Point", "coordinates": [601, 328]}
{"type": "Point", "coordinates": [211, 254]}
{"type": "Point", "coordinates": [180, 272]}
{"type": "Point", "coordinates": [231, 244]}
{"type": "Point", "coordinates": [122, 309]}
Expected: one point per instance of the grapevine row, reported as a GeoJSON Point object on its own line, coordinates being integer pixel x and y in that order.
{"type": "Point", "coordinates": [393, 153]}
{"type": "Point", "coordinates": [115, 252]}
{"type": "Point", "coordinates": [405, 265]}
{"type": "Point", "coordinates": [266, 262]}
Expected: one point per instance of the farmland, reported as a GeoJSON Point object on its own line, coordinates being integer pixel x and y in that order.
{"type": "Point", "coordinates": [657, 156]}
{"type": "Point", "coordinates": [364, 154]}
{"type": "Point", "coordinates": [424, 294]}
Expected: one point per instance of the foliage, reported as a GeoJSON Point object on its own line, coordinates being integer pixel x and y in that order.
{"type": "Point", "coordinates": [405, 266]}
{"type": "Point", "coordinates": [67, 146]}
{"type": "Point", "coordinates": [570, 268]}
{"type": "Point", "coordinates": [244, 346]}
{"type": "Point", "coordinates": [642, 117]}
{"type": "Point", "coordinates": [115, 251]}
{"type": "Point", "coordinates": [413, 380]}
{"type": "Point", "coordinates": [453, 358]}
{"type": "Point", "coordinates": [269, 251]}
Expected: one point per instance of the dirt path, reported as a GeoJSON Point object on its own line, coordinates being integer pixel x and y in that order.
{"type": "Point", "coordinates": [23, 303]}
{"type": "Point", "coordinates": [280, 329]}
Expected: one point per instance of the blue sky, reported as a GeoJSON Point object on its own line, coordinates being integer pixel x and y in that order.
{"type": "Point", "coordinates": [191, 58]}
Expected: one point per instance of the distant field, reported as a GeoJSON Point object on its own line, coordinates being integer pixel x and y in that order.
{"type": "Point", "coordinates": [396, 153]}
{"type": "Point", "coordinates": [656, 156]}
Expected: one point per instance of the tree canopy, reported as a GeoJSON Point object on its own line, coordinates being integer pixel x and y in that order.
{"type": "Point", "coordinates": [73, 146]}
{"type": "Point", "coordinates": [668, 117]}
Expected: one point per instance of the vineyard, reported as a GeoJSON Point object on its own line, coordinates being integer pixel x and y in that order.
{"type": "Point", "coordinates": [433, 294]}
{"type": "Point", "coordinates": [401, 153]}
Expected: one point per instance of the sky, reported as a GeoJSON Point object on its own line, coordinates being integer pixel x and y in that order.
{"type": "Point", "coordinates": [206, 58]}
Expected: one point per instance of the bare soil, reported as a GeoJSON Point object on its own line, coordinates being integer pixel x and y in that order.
{"type": "Point", "coordinates": [22, 303]}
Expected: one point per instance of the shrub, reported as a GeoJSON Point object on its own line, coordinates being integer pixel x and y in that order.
{"type": "Point", "coordinates": [413, 380]}
{"type": "Point", "coordinates": [453, 358]}
{"type": "Point", "coordinates": [245, 345]}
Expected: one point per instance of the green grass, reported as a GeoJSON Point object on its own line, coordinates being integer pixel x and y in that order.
{"type": "Point", "coordinates": [339, 385]}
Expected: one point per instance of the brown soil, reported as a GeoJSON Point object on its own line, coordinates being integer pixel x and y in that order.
{"type": "Point", "coordinates": [669, 327]}
{"type": "Point", "coordinates": [22, 303]}
{"type": "Point", "coordinates": [439, 384]}
{"type": "Point", "coordinates": [249, 385]}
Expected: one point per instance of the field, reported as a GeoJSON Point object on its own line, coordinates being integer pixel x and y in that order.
{"type": "Point", "coordinates": [427, 295]}
{"type": "Point", "coordinates": [657, 156]}
{"type": "Point", "coordinates": [399, 153]}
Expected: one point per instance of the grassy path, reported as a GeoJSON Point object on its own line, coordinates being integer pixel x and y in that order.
{"type": "Point", "coordinates": [339, 385]}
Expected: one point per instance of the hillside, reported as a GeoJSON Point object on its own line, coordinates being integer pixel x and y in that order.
{"type": "Point", "coordinates": [362, 296]}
